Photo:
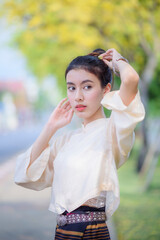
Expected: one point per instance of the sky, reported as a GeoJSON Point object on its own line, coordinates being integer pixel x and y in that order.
{"type": "Point", "coordinates": [13, 66]}
{"type": "Point", "coordinates": [12, 62]}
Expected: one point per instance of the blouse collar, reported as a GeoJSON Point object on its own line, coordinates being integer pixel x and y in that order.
{"type": "Point", "coordinates": [93, 123]}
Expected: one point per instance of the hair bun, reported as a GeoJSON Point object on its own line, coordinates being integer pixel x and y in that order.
{"type": "Point", "coordinates": [96, 52]}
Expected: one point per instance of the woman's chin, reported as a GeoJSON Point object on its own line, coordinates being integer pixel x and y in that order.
{"type": "Point", "coordinates": [80, 114]}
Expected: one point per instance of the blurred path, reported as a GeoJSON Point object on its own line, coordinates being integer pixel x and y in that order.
{"type": "Point", "coordinates": [15, 141]}
{"type": "Point", "coordinates": [24, 213]}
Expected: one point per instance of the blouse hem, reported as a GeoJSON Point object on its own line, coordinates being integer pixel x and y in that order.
{"type": "Point", "coordinates": [89, 196]}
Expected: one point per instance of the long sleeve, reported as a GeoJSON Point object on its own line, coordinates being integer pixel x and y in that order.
{"type": "Point", "coordinates": [40, 173]}
{"type": "Point", "coordinates": [122, 123]}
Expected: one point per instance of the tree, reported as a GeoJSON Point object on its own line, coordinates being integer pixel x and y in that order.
{"type": "Point", "coordinates": [53, 33]}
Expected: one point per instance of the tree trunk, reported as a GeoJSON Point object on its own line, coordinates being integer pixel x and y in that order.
{"type": "Point", "coordinates": [147, 77]}
{"type": "Point", "coordinates": [144, 130]}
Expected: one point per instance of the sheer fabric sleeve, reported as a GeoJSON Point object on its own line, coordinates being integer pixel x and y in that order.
{"type": "Point", "coordinates": [122, 123]}
{"type": "Point", "coordinates": [40, 173]}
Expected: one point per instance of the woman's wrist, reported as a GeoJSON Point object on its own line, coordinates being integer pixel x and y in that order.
{"type": "Point", "coordinates": [119, 64]}
{"type": "Point", "coordinates": [50, 127]}
{"type": "Point", "coordinates": [122, 59]}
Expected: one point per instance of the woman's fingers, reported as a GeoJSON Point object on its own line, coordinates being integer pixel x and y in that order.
{"type": "Point", "coordinates": [68, 107]}
{"type": "Point", "coordinates": [69, 114]}
{"type": "Point", "coordinates": [65, 104]}
{"type": "Point", "coordinates": [108, 58]}
{"type": "Point", "coordinates": [64, 107]}
{"type": "Point", "coordinates": [61, 102]}
{"type": "Point", "coordinates": [107, 55]}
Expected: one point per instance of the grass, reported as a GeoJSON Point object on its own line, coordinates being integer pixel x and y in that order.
{"type": "Point", "coordinates": [138, 216]}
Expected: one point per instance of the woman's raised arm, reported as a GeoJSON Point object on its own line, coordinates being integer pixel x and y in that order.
{"type": "Point", "coordinates": [60, 117]}
{"type": "Point", "coordinates": [129, 77]}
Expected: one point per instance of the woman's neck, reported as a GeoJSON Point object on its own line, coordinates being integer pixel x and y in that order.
{"type": "Point", "coordinates": [99, 114]}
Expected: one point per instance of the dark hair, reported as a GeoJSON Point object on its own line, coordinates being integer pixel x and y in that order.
{"type": "Point", "coordinates": [91, 63]}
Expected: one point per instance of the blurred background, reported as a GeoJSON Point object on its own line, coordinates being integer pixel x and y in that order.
{"type": "Point", "coordinates": [37, 41]}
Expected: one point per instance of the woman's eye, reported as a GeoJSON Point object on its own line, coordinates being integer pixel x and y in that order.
{"type": "Point", "coordinates": [88, 87]}
{"type": "Point", "coordinates": [71, 88]}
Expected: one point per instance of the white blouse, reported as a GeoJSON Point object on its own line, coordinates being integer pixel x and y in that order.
{"type": "Point", "coordinates": [81, 165]}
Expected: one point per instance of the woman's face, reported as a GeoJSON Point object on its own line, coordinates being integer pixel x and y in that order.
{"type": "Point", "coordinates": [85, 94]}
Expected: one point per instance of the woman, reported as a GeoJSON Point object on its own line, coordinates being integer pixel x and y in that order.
{"type": "Point", "coordinates": [81, 165]}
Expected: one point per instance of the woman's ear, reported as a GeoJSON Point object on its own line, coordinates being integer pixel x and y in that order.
{"type": "Point", "coordinates": [107, 89]}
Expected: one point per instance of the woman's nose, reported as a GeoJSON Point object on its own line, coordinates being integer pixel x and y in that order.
{"type": "Point", "coordinates": [78, 95]}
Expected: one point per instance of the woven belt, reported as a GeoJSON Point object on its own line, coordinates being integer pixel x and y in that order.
{"type": "Point", "coordinates": [80, 217]}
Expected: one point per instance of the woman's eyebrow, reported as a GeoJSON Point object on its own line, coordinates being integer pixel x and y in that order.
{"type": "Point", "coordinates": [87, 80]}
{"type": "Point", "coordinates": [84, 81]}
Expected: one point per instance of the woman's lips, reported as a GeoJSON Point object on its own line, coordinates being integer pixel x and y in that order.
{"type": "Point", "coordinates": [80, 108]}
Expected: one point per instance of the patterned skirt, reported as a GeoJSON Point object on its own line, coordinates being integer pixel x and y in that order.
{"type": "Point", "coordinates": [85, 230]}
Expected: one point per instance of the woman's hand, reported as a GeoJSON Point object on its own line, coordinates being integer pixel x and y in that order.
{"type": "Point", "coordinates": [62, 115]}
{"type": "Point", "coordinates": [111, 58]}
{"type": "Point", "coordinates": [128, 75]}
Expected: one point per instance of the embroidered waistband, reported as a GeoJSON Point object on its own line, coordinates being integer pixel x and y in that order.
{"type": "Point", "coordinates": [80, 217]}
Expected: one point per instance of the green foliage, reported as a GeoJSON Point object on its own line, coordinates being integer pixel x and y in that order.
{"type": "Point", "coordinates": [154, 94]}
{"type": "Point", "coordinates": [52, 33]}
{"type": "Point", "coordinates": [138, 216]}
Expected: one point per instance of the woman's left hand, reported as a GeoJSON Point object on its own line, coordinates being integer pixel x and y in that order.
{"type": "Point", "coordinates": [110, 58]}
